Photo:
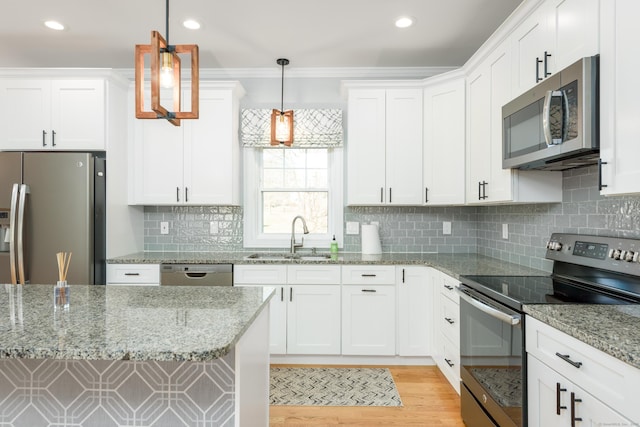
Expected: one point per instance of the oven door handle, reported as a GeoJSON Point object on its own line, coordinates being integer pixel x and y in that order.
{"type": "Point", "coordinates": [504, 317]}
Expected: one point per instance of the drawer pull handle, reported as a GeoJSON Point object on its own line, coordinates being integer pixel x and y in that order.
{"type": "Point", "coordinates": [131, 274]}
{"type": "Point", "coordinates": [368, 290]}
{"type": "Point", "coordinates": [448, 287]}
{"type": "Point", "coordinates": [449, 320]}
{"type": "Point", "coordinates": [573, 409]}
{"type": "Point", "coordinates": [281, 293]}
{"type": "Point", "coordinates": [368, 275]}
{"type": "Point", "coordinates": [567, 358]}
{"type": "Point", "coordinates": [451, 364]}
{"type": "Point", "coordinates": [559, 407]}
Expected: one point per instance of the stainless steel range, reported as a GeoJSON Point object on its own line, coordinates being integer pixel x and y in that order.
{"type": "Point", "coordinates": [586, 270]}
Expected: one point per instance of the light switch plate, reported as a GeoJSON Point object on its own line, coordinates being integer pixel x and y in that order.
{"type": "Point", "coordinates": [446, 227]}
{"type": "Point", "coordinates": [164, 227]}
{"type": "Point", "coordinates": [353, 227]}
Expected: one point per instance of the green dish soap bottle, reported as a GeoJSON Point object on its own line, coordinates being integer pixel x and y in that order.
{"type": "Point", "coordinates": [334, 247]}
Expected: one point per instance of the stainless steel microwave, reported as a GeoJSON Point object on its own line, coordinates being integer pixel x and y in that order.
{"type": "Point", "coordinates": [554, 125]}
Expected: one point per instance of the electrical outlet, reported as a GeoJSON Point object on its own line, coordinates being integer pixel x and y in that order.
{"type": "Point", "coordinates": [353, 227]}
{"type": "Point", "coordinates": [446, 227]}
{"type": "Point", "coordinates": [505, 231]}
{"type": "Point", "coordinates": [164, 227]}
{"type": "Point", "coordinates": [213, 227]}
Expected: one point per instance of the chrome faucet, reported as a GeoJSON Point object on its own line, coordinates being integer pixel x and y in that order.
{"type": "Point", "coordinates": [305, 230]}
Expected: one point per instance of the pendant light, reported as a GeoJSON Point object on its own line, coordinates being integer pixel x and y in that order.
{"type": "Point", "coordinates": [282, 121]}
{"type": "Point", "coordinates": [165, 71]}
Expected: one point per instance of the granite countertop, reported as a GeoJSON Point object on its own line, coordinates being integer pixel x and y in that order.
{"type": "Point", "coordinates": [172, 323]}
{"type": "Point", "coordinates": [451, 264]}
{"type": "Point", "coordinates": [613, 329]}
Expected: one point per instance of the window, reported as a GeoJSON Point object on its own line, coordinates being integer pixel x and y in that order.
{"type": "Point", "coordinates": [281, 183]}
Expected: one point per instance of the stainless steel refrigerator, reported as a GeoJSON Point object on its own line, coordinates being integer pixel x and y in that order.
{"type": "Point", "coordinates": [52, 202]}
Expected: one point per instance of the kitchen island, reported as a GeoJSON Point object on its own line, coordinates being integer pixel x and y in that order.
{"type": "Point", "coordinates": [135, 356]}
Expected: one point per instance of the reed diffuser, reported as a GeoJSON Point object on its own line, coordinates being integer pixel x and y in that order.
{"type": "Point", "coordinates": [61, 291]}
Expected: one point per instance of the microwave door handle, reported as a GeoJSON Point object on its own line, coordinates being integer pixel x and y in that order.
{"type": "Point", "coordinates": [503, 317]}
{"type": "Point", "coordinates": [15, 192]}
{"type": "Point", "coordinates": [24, 190]}
{"type": "Point", "coordinates": [565, 116]}
{"type": "Point", "coordinates": [546, 117]}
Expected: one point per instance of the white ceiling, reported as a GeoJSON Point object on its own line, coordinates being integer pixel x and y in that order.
{"type": "Point", "coordinates": [251, 33]}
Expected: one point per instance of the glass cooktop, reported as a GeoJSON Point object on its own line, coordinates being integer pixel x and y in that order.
{"type": "Point", "coordinates": [516, 291]}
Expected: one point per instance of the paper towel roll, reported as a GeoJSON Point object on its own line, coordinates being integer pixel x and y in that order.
{"type": "Point", "coordinates": [371, 240]}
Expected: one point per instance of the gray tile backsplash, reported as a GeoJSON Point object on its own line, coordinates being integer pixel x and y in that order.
{"type": "Point", "coordinates": [419, 229]}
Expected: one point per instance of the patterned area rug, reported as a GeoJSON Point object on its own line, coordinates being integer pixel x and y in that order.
{"type": "Point", "coordinates": [333, 387]}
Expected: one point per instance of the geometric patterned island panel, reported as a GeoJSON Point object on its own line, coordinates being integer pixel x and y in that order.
{"type": "Point", "coordinates": [112, 393]}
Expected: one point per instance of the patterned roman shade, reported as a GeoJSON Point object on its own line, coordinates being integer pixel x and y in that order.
{"type": "Point", "coordinates": [312, 128]}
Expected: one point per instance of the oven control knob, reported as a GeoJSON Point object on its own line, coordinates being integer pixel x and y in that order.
{"type": "Point", "coordinates": [636, 257]}
{"type": "Point", "coordinates": [629, 256]}
{"type": "Point", "coordinates": [616, 254]}
{"type": "Point", "coordinates": [555, 246]}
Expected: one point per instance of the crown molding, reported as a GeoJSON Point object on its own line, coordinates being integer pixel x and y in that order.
{"type": "Point", "coordinates": [339, 73]}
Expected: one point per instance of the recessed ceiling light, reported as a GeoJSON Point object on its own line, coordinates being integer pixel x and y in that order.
{"type": "Point", "coordinates": [404, 22]}
{"type": "Point", "coordinates": [54, 25]}
{"type": "Point", "coordinates": [191, 24]}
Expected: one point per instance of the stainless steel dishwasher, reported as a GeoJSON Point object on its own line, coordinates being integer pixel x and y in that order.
{"type": "Point", "coordinates": [196, 275]}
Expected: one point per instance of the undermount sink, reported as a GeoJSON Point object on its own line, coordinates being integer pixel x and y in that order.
{"type": "Point", "coordinates": [270, 256]}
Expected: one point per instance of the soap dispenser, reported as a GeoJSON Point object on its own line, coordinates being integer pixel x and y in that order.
{"type": "Point", "coordinates": [334, 245]}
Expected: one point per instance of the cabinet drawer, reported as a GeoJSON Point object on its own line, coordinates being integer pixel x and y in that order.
{"type": "Point", "coordinates": [368, 275]}
{"type": "Point", "coordinates": [449, 363]}
{"type": "Point", "coordinates": [133, 274]}
{"type": "Point", "coordinates": [607, 378]}
{"type": "Point", "coordinates": [448, 288]}
{"type": "Point", "coordinates": [313, 274]}
{"type": "Point", "coordinates": [449, 321]}
{"type": "Point", "coordinates": [260, 274]}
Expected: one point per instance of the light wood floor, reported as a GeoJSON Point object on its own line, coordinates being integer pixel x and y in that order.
{"type": "Point", "coordinates": [428, 399]}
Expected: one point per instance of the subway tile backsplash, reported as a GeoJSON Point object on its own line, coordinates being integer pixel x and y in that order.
{"type": "Point", "coordinates": [419, 229]}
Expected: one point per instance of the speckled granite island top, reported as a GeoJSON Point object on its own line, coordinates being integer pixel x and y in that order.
{"type": "Point", "coordinates": [127, 322]}
{"type": "Point", "coordinates": [613, 329]}
{"type": "Point", "coordinates": [451, 264]}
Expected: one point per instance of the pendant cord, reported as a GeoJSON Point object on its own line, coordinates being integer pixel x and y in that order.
{"type": "Point", "coordinates": [281, 90]}
{"type": "Point", "coordinates": [167, 22]}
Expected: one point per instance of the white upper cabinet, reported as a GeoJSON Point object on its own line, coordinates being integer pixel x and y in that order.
{"type": "Point", "coordinates": [196, 163]}
{"type": "Point", "coordinates": [52, 114]}
{"type": "Point", "coordinates": [619, 107]}
{"type": "Point", "coordinates": [384, 147]}
{"type": "Point", "coordinates": [489, 87]}
{"type": "Point", "coordinates": [444, 138]}
{"type": "Point", "coordinates": [556, 35]}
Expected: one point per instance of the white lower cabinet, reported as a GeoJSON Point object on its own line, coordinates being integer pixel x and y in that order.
{"type": "Point", "coordinates": [415, 311]}
{"type": "Point", "coordinates": [571, 383]}
{"type": "Point", "coordinates": [133, 274]}
{"type": "Point", "coordinates": [556, 401]}
{"type": "Point", "coordinates": [313, 319]}
{"type": "Point", "coordinates": [368, 320]}
{"type": "Point", "coordinates": [305, 311]}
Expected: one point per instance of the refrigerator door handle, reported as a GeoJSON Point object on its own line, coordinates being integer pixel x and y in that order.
{"type": "Point", "coordinates": [24, 190]}
{"type": "Point", "coordinates": [12, 230]}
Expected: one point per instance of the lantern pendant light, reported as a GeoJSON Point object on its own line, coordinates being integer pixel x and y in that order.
{"type": "Point", "coordinates": [166, 72]}
{"type": "Point", "coordinates": [282, 121]}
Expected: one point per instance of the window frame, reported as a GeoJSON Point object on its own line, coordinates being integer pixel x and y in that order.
{"type": "Point", "coordinates": [253, 237]}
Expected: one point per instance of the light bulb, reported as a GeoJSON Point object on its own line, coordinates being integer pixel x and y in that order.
{"type": "Point", "coordinates": [282, 128]}
{"type": "Point", "coordinates": [166, 70]}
